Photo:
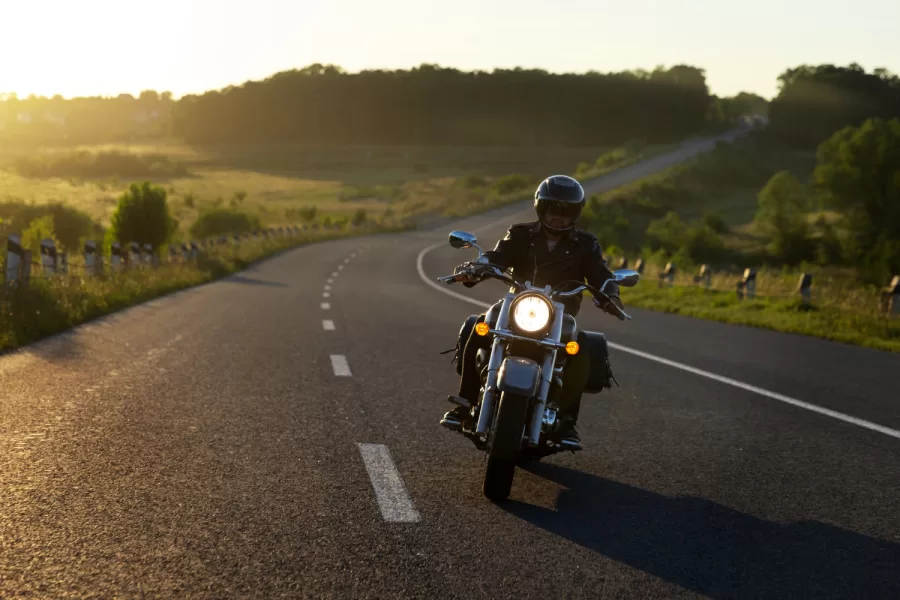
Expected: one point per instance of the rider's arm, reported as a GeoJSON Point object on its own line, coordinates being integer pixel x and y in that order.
{"type": "Point", "coordinates": [597, 272]}
{"type": "Point", "coordinates": [503, 252]}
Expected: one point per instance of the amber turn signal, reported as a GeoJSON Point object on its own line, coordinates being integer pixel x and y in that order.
{"type": "Point", "coordinates": [482, 329]}
{"type": "Point", "coordinates": [572, 348]}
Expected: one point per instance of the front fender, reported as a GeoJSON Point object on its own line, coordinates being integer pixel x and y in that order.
{"type": "Point", "coordinates": [519, 376]}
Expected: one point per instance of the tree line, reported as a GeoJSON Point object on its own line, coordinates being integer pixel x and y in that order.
{"type": "Point", "coordinates": [427, 105]}
{"type": "Point", "coordinates": [38, 120]}
{"type": "Point", "coordinates": [814, 102]}
{"type": "Point", "coordinates": [430, 105]}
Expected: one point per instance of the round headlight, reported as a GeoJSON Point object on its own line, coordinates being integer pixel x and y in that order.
{"type": "Point", "coordinates": [531, 313]}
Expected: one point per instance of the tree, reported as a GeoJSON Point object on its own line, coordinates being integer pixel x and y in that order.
{"type": "Point", "coordinates": [858, 170]}
{"type": "Point", "coordinates": [142, 216]}
{"type": "Point", "coordinates": [783, 205]}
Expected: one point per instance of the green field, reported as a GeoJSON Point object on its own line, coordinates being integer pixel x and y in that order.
{"type": "Point", "coordinates": [275, 181]}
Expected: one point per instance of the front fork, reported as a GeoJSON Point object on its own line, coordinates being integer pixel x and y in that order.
{"type": "Point", "coordinates": [498, 350]}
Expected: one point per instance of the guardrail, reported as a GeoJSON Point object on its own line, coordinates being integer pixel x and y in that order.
{"type": "Point", "coordinates": [745, 285]}
{"type": "Point", "coordinates": [21, 266]}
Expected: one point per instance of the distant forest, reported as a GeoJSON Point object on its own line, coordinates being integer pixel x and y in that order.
{"type": "Point", "coordinates": [431, 105]}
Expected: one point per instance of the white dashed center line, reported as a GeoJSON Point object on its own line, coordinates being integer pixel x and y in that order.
{"type": "Point", "coordinates": [335, 274]}
{"type": "Point", "coordinates": [340, 267]}
{"type": "Point", "coordinates": [326, 306]}
{"type": "Point", "coordinates": [393, 501]}
{"type": "Point", "coordinates": [340, 366]}
{"type": "Point", "coordinates": [329, 280]}
{"type": "Point", "coordinates": [326, 295]}
{"type": "Point", "coordinates": [327, 287]}
{"type": "Point", "coordinates": [328, 325]}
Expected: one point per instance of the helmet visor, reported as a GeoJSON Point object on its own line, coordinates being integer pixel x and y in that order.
{"type": "Point", "coordinates": [561, 209]}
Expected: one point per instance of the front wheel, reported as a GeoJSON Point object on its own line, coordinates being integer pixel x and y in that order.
{"type": "Point", "coordinates": [505, 446]}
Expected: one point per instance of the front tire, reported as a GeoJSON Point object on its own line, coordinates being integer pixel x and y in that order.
{"type": "Point", "coordinates": [505, 446]}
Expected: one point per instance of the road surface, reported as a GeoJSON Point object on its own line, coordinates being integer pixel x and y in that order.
{"type": "Point", "coordinates": [275, 434]}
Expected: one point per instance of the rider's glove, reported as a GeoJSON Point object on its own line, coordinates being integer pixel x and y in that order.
{"type": "Point", "coordinates": [607, 305]}
{"type": "Point", "coordinates": [470, 273]}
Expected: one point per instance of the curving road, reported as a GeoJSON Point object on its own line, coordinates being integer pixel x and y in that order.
{"type": "Point", "coordinates": [275, 434]}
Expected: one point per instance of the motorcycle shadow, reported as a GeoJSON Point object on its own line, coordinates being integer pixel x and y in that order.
{"type": "Point", "coordinates": [712, 549]}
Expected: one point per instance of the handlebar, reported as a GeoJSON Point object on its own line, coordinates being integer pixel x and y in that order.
{"type": "Point", "coordinates": [488, 271]}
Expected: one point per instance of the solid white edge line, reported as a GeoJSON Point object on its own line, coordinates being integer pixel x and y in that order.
{"type": "Point", "coordinates": [340, 366]}
{"type": "Point", "coordinates": [390, 493]}
{"type": "Point", "coordinates": [671, 363]}
{"type": "Point", "coordinates": [328, 325]}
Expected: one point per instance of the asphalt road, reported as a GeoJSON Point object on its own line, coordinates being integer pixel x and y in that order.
{"type": "Point", "coordinates": [256, 438]}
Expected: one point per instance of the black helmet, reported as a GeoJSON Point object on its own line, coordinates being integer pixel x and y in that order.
{"type": "Point", "coordinates": [562, 193]}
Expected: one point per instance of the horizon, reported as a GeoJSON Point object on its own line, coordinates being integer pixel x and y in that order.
{"type": "Point", "coordinates": [93, 53]}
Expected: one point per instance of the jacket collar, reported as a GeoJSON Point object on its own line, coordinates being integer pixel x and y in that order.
{"type": "Point", "coordinates": [537, 229]}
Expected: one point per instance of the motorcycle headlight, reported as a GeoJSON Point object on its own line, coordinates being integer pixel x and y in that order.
{"type": "Point", "coordinates": [531, 313]}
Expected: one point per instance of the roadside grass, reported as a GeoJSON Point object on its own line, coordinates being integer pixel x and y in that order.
{"type": "Point", "coordinates": [838, 310]}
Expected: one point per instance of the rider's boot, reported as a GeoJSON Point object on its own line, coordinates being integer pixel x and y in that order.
{"type": "Point", "coordinates": [457, 417]}
{"type": "Point", "coordinates": [568, 435]}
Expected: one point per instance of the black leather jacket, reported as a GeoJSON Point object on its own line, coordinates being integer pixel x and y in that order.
{"type": "Point", "coordinates": [577, 256]}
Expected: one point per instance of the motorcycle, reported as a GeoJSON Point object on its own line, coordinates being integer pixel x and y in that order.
{"type": "Point", "coordinates": [531, 338]}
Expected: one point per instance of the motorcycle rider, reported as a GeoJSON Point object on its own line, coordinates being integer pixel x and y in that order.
{"type": "Point", "coordinates": [548, 251]}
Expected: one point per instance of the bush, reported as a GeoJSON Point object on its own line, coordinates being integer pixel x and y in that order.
{"type": "Point", "coordinates": [715, 221]}
{"type": "Point", "coordinates": [828, 245]}
{"type": "Point", "coordinates": [668, 233]}
{"type": "Point", "coordinates": [70, 224]}
{"type": "Point", "coordinates": [142, 216]}
{"type": "Point", "coordinates": [470, 182]}
{"type": "Point", "coordinates": [360, 217]}
{"type": "Point", "coordinates": [509, 184]}
{"type": "Point", "coordinates": [222, 221]}
{"type": "Point", "coordinates": [611, 158]}
{"type": "Point", "coordinates": [304, 213]}
{"type": "Point", "coordinates": [704, 245]}
{"type": "Point", "coordinates": [37, 231]}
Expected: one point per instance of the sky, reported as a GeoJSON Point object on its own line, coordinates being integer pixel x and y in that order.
{"type": "Point", "coordinates": [107, 47]}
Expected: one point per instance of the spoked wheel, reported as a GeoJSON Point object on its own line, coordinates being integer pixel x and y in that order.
{"type": "Point", "coordinates": [504, 446]}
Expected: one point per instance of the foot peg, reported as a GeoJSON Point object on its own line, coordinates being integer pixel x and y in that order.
{"type": "Point", "coordinates": [451, 423]}
{"type": "Point", "coordinates": [458, 401]}
{"type": "Point", "coordinates": [569, 444]}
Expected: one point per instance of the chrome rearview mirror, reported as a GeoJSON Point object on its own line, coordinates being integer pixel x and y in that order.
{"type": "Point", "coordinates": [463, 239]}
{"type": "Point", "coordinates": [627, 277]}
